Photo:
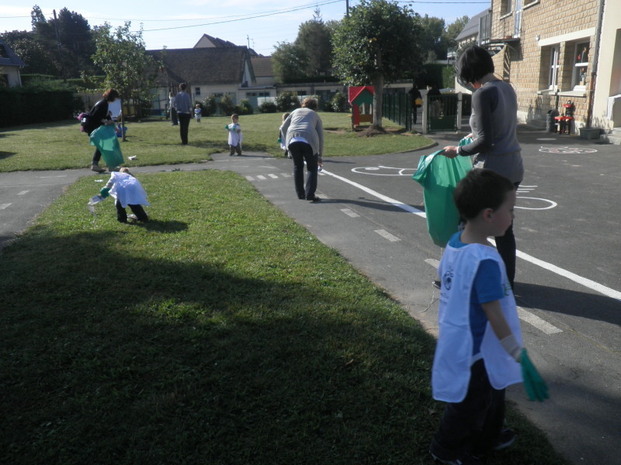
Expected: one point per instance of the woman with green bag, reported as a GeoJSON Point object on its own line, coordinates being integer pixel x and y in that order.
{"type": "Point", "coordinates": [494, 131]}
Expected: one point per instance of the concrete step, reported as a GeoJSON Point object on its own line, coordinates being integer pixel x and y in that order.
{"type": "Point", "coordinates": [614, 137]}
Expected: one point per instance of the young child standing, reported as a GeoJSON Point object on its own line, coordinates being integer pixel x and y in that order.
{"type": "Point", "coordinates": [126, 190]}
{"type": "Point", "coordinates": [235, 135]}
{"type": "Point", "coordinates": [198, 111]}
{"type": "Point", "coordinates": [479, 349]}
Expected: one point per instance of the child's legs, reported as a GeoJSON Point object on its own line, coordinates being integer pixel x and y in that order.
{"type": "Point", "coordinates": [238, 149]}
{"type": "Point", "coordinates": [232, 149]}
{"type": "Point", "coordinates": [139, 212]}
{"type": "Point", "coordinates": [462, 423]}
{"type": "Point", "coordinates": [121, 214]}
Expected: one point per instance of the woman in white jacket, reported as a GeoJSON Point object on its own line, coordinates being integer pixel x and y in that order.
{"type": "Point", "coordinates": [304, 140]}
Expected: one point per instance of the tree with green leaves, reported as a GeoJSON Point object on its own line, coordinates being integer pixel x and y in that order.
{"type": "Point", "coordinates": [68, 38]}
{"type": "Point", "coordinates": [376, 44]}
{"type": "Point", "coordinates": [289, 61]}
{"type": "Point", "coordinates": [122, 56]}
{"type": "Point", "coordinates": [308, 57]}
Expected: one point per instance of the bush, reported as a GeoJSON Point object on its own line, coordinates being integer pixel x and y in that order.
{"type": "Point", "coordinates": [287, 101]}
{"type": "Point", "coordinates": [226, 105]}
{"type": "Point", "coordinates": [268, 107]}
{"type": "Point", "coordinates": [209, 106]}
{"type": "Point", "coordinates": [244, 108]}
{"type": "Point", "coordinates": [338, 103]}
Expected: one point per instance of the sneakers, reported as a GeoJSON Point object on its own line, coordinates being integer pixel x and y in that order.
{"type": "Point", "coordinates": [95, 167]}
{"type": "Point", "coordinates": [506, 438]}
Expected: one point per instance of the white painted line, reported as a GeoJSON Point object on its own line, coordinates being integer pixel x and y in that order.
{"type": "Point", "coordinates": [261, 177]}
{"type": "Point", "coordinates": [273, 176]}
{"type": "Point", "coordinates": [350, 213]}
{"type": "Point", "coordinates": [529, 258]}
{"type": "Point", "coordinates": [22, 192]}
{"type": "Point", "coordinates": [433, 262]}
{"type": "Point", "coordinates": [396, 203]}
{"type": "Point", "coordinates": [537, 322]}
{"type": "Point", "coordinates": [607, 291]}
{"type": "Point", "coordinates": [286, 175]}
{"type": "Point", "coordinates": [57, 176]}
{"type": "Point", "coordinates": [250, 178]}
{"type": "Point", "coordinates": [386, 235]}
{"type": "Point", "coordinates": [4, 206]}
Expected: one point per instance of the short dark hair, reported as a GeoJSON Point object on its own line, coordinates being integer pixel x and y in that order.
{"type": "Point", "coordinates": [182, 86]}
{"type": "Point", "coordinates": [480, 189]}
{"type": "Point", "coordinates": [110, 95]}
{"type": "Point", "coordinates": [474, 63]}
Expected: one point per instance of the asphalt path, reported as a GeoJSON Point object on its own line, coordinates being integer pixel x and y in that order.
{"type": "Point", "coordinates": [568, 282]}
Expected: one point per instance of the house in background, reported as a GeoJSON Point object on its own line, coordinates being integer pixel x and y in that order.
{"type": "Point", "coordinates": [218, 67]}
{"type": "Point", "coordinates": [213, 67]}
{"type": "Point", "coordinates": [553, 56]}
{"type": "Point", "coordinates": [10, 64]}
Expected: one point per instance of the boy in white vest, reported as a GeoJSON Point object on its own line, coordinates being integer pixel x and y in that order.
{"type": "Point", "coordinates": [479, 351]}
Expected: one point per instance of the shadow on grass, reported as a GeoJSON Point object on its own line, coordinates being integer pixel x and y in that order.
{"type": "Point", "coordinates": [5, 155]}
{"type": "Point", "coordinates": [114, 357]}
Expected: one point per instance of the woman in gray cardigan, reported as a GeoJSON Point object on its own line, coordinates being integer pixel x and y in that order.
{"type": "Point", "coordinates": [304, 140]}
{"type": "Point", "coordinates": [494, 130]}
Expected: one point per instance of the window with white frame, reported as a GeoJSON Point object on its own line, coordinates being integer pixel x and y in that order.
{"type": "Point", "coordinates": [581, 64]}
{"type": "Point", "coordinates": [554, 67]}
{"type": "Point", "coordinates": [197, 91]}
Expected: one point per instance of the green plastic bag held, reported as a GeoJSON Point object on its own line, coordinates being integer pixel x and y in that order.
{"type": "Point", "coordinates": [105, 139]}
{"type": "Point", "coordinates": [439, 176]}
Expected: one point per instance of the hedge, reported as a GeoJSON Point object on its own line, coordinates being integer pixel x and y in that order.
{"type": "Point", "coordinates": [20, 105]}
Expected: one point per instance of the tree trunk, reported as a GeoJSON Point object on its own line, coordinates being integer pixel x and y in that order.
{"type": "Point", "coordinates": [378, 100]}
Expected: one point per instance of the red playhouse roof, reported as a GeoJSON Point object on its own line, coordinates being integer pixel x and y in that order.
{"type": "Point", "coordinates": [355, 91]}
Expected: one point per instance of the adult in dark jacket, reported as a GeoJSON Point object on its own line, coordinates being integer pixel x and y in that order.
{"type": "Point", "coordinates": [183, 106]}
{"type": "Point", "coordinates": [494, 131]}
{"type": "Point", "coordinates": [100, 115]}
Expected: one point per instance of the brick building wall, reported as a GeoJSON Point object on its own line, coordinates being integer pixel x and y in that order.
{"type": "Point", "coordinates": [546, 26]}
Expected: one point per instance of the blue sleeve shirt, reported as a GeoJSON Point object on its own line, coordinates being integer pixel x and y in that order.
{"type": "Point", "coordinates": [487, 287]}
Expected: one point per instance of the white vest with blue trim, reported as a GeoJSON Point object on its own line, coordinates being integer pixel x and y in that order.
{"type": "Point", "coordinates": [450, 374]}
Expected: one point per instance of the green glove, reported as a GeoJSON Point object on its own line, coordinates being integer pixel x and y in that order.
{"type": "Point", "coordinates": [536, 387]}
{"type": "Point", "coordinates": [104, 192]}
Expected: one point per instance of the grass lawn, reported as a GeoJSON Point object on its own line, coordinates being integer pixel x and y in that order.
{"type": "Point", "coordinates": [219, 333]}
{"type": "Point", "coordinates": [62, 145]}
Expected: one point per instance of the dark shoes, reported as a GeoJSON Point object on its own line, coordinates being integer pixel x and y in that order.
{"type": "Point", "coordinates": [313, 199]}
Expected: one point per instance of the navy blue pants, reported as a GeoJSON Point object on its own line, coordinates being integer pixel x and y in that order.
{"type": "Point", "coordinates": [301, 152]}
{"type": "Point", "coordinates": [473, 425]}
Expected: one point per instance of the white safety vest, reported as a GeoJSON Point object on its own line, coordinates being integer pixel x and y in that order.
{"type": "Point", "coordinates": [450, 374]}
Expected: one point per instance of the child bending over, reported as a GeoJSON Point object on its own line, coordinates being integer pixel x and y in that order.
{"type": "Point", "coordinates": [127, 191]}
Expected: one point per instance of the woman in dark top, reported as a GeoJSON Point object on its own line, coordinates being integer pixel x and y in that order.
{"type": "Point", "coordinates": [99, 115]}
{"type": "Point", "coordinates": [494, 131]}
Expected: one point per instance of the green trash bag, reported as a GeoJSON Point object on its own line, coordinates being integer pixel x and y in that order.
{"type": "Point", "coordinates": [105, 139]}
{"type": "Point", "coordinates": [439, 176]}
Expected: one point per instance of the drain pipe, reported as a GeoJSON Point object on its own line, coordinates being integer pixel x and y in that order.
{"type": "Point", "coordinates": [598, 33]}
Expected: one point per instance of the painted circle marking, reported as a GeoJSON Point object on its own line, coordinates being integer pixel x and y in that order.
{"type": "Point", "coordinates": [549, 204]}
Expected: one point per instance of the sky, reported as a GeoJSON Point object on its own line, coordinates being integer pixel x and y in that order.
{"type": "Point", "coordinates": [259, 24]}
